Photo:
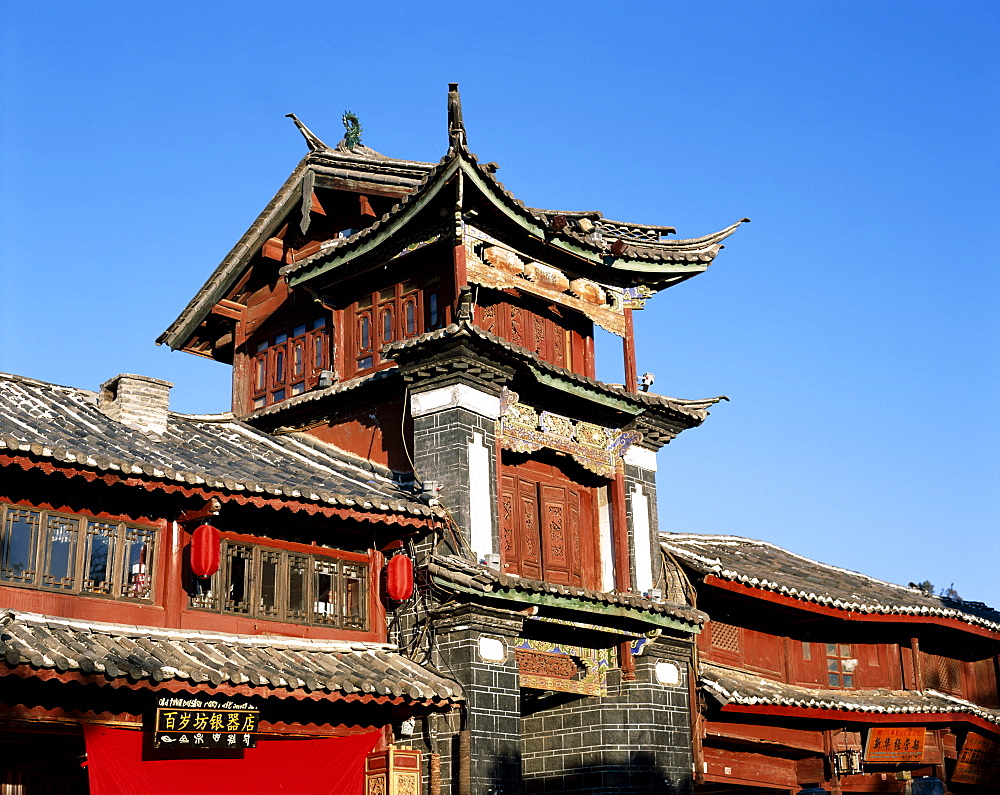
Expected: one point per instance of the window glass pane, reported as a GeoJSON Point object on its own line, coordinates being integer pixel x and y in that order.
{"type": "Point", "coordinates": [833, 665]}
{"type": "Point", "coordinates": [298, 389]}
{"type": "Point", "coordinates": [845, 651]}
{"type": "Point", "coordinates": [99, 556]}
{"type": "Point", "coordinates": [365, 333]}
{"type": "Point", "coordinates": [19, 540]}
{"type": "Point", "coordinates": [259, 403]}
{"type": "Point", "coordinates": [138, 563]}
{"type": "Point", "coordinates": [354, 595]}
{"type": "Point", "coordinates": [298, 587]}
{"type": "Point", "coordinates": [278, 395]}
{"type": "Point", "coordinates": [59, 569]}
{"type": "Point", "coordinates": [432, 310]}
{"type": "Point", "coordinates": [298, 331]}
{"type": "Point", "coordinates": [280, 338]}
{"type": "Point", "coordinates": [237, 579]}
{"type": "Point", "coordinates": [387, 324]}
{"type": "Point", "coordinates": [834, 680]}
{"type": "Point", "coordinates": [269, 565]}
{"type": "Point", "coordinates": [203, 590]}
{"type": "Point", "coordinates": [364, 303]}
{"type": "Point", "coordinates": [411, 317]}
{"type": "Point", "coordinates": [261, 347]}
{"type": "Point", "coordinates": [831, 649]}
{"type": "Point", "coordinates": [279, 366]}
{"type": "Point", "coordinates": [318, 358]}
{"type": "Point", "coordinates": [319, 322]}
{"type": "Point", "coordinates": [806, 651]}
{"type": "Point", "coordinates": [364, 364]}
{"type": "Point", "coordinates": [387, 295]}
{"type": "Point", "coordinates": [260, 374]}
{"type": "Point", "coordinates": [325, 601]}
{"type": "Point", "coordinates": [297, 363]}
{"type": "Point", "coordinates": [848, 680]}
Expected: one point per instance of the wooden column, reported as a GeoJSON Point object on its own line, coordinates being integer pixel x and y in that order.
{"type": "Point", "coordinates": [628, 347]}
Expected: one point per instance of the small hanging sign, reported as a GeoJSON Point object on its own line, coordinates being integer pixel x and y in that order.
{"type": "Point", "coordinates": [205, 722]}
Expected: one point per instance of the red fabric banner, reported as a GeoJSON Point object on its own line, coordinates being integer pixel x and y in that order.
{"type": "Point", "coordinates": [120, 764]}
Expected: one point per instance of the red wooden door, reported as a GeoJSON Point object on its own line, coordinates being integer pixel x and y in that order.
{"type": "Point", "coordinates": [546, 525]}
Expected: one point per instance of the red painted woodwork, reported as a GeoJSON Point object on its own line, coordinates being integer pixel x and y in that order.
{"type": "Point", "coordinates": [205, 543]}
{"type": "Point", "coordinates": [774, 735]}
{"type": "Point", "coordinates": [547, 525]}
{"type": "Point", "coordinates": [738, 767]}
{"type": "Point", "coordinates": [399, 578]}
{"type": "Point", "coordinates": [373, 435]}
{"type": "Point", "coordinates": [553, 334]}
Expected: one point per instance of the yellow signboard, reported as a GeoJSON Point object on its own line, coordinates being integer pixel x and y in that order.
{"type": "Point", "coordinates": [895, 744]}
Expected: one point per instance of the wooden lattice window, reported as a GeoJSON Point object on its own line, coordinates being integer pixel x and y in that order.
{"type": "Point", "coordinates": [943, 673]}
{"type": "Point", "coordinates": [725, 637]}
{"type": "Point", "coordinates": [272, 583]}
{"type": "Point", "coordinates": [399, 312]}
{"type": "Point", "coordinates": [288, 361]}
{"type": "Point", "coordinates": [75, 554]}
{"type": "Point", "coordinates": [840, 665]}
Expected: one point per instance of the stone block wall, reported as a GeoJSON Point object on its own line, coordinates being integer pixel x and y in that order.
{"type": "Point", "coordinates": [637, 739]}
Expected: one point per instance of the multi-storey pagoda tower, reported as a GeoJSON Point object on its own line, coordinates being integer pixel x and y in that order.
{"type": "Point", "coordinates": [422, 318]}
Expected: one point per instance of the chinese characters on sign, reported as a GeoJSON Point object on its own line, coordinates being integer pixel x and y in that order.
{"type": "Point", "coordinates": [896, 744]}
{"type": "Point", "coordinates": [979, 762]}
{"type": "Point", "coordinates": [205, 723]}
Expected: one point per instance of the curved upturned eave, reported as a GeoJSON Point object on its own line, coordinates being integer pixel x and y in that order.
{"type": "Point", "coordinates": [642, 268]}
{"type": "Point", "coordinates": [228, 272]}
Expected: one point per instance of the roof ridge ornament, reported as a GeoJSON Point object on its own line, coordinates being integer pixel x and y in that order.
{"type": "Point", "coordinates": [315, 144]}
{"type": "Point", "coordinates": [352, 129]}
{"type": "Point", "coordinates": [456, 125]}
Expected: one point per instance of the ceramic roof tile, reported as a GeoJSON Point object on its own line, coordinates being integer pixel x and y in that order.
{"type": "Point", "coordinates": [478, 577]}
{"type": "Point", "coordinates": [268, 662]}
{"type": "Point", "coordinates": [691, 408]}
{"type": "Point", "coordinates": [729, 686]}
{"type": "Point", "coordinates": [771, 568]}
{"type": "Point", "coordinates": [64, 424]}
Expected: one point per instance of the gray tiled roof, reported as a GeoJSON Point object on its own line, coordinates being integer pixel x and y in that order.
{"type": "Point", "coordinates": [217, 452]}
{"type": "Point", "coordinates": [729, 686]}
{"type": "Point", "coordinates": [696, 409]}
{"type": "Point", "coordinates": [759, 564]}
{"type": "Point", "coordinates": [271, 663]}
{"type": "Point", "coordinates": [477, 577]}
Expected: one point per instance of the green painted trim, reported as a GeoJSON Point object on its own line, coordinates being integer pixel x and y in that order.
{"type": "Point", "coordinates": [541, 234]}
{"type": "Point", "coordinates": [390, 229]}
{"type": "Point", "coordinates": [572, 603]}
{"type": "Point", "coordinates": [586, 392]}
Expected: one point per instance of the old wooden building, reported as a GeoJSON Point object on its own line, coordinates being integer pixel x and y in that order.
{"type": "Point", "coordinates": [419, 316]}
{"type": "Point", "coordinates": [122, 666]}
{"type": "Point", "coordinates": [814, 676]}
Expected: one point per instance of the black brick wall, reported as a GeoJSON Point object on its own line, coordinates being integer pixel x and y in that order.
{"type": "Point", "coordinates": [637, 739]}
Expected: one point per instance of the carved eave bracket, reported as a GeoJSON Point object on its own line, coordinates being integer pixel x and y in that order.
{"type": "Point", "coordinates": [525, 429]}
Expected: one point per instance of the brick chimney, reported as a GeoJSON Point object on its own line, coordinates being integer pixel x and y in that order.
{"type": "Point", "coordinates": [137, 401]}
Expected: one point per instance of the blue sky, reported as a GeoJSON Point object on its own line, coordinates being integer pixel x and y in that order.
{"type": "Point", "coordinates": [853, 323]}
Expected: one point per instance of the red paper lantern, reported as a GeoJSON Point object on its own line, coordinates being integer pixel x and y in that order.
{"type": "Point", "coordinates": [205, 551]}
{"type": "Point", "coordinates": [399, 578]}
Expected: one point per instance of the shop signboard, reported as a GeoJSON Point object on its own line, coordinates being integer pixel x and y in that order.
{"type": "Point", "coordinates": [979, 762]}
{"type": "Point", "coordinates": [205, 722]}
{"type": "Point", "coordinates": [895, 744]}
